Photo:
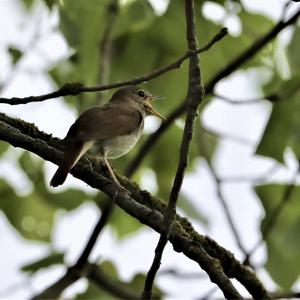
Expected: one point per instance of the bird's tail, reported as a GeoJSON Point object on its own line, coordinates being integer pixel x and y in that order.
{"type": "Point", "coordinates": [71, 156]}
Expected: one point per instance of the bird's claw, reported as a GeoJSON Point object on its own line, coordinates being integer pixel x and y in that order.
{"type": "Point", "coordinates": [120, 190]}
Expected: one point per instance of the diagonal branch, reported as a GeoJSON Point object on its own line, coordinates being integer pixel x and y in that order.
{"type": "Point", "coordinates": [76, 88]}
{"type": "Point", "coordinates": [140, 204]}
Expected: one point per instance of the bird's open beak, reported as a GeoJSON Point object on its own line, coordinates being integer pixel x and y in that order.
{"type": "Point", "coordinates": [153, 98]}
{"type": "Point", "coordinates": [152, 110]}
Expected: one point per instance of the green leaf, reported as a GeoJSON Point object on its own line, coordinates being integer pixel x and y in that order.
{"type": "Point", "coordinates": [163, 163]}
{"type": "Point", "coordinates": [50, 3]}
{"type": "Point", "coordinates": [68, 200]}
{"type": "Point", "coordinates": [28, 3]}
{"type": "Point", "coordinates": [283, 243]}
{"type": "Point", "coordinates": [32, 217]}
{"type": "Point", "coordinates": [136, 285]}
{"type": "Point", "coordinates": [282, 129]}
{"type": "Point", "coordinates": [294, 50]}
{"type": "Point", "coordinates": [133, 16]}
{"type": "Point", "coordinates": [3, 147]}
{"type": "Point", "coordinates": [204, 143]}
{"type": "Point", "coordinates": [54, 258]}
{"type": "Point", "coordinates": [95, 292]}
{"type": "Point", "coordinates": [15, 54]}
{"type": "Point", "coordinates": [83, 23]}
{"type": "Point", "coordinates": [33, 168]}
{"type": "Point", "coordinates": [123, 223]}
{"type": "Point", "coordinates": [191, 210]}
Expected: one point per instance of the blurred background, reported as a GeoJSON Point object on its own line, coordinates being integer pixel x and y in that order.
{"type": "Point", "coordinates": [241, 185]}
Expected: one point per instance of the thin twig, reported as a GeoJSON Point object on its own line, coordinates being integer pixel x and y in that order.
{"type": "Point", "coordinates": [115, 288]}
{"type": "Point", "coordinates": [255, 179]}
{"type": "Point", "coordinates": [76, 88]}
{"type": "Point", "coordinates": [92, 272]}
{"type": "Point", "coordinates": [286, 295]}
{"type": "Point", "coordinates": [195, 96]}
{"type": "Point", "coordinates": [217, 180]}
{"type": "Point", "coordinates": [237, 139]}
{"type": "Point", "coordinates": [271, 97]}
{"type": "Point", "coordinates": [278, 295]}
{"type": "Point", "coordinates": [106, 212]}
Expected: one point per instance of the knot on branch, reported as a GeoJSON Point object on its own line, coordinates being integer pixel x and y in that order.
{"type": "Point", "coordinates": [71, 88]}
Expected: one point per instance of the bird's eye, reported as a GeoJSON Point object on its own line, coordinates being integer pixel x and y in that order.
{"type": "Point", "coordinates": [141, 93]}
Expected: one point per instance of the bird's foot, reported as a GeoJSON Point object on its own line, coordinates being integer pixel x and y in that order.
{"type": "Point", "coordinates": [120, 191]}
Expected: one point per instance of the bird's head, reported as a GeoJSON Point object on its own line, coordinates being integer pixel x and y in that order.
{"type": "Point", "coordinates": [140, 96]}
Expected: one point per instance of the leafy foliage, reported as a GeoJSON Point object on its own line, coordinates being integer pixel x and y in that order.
{"type": "Point", "coordinates": [282, 128]}
{"type": "Point", "coordinates": [284, 241]}
{"type": "Point", "coordinates": [15, 53]}
{"type": "Point", "coordinates": [33, 214]}
{"type": "Point", "coordinates": [45, 262]}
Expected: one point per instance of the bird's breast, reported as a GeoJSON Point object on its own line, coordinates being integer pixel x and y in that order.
{"type": "Point", "coordinates": [118, 146]}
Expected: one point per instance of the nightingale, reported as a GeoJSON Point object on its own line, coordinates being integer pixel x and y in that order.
{"type": "Point", "coordinates": [111, 130]}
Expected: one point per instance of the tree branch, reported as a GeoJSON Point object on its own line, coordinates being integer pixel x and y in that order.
{"type": "Point", "coordinates": [54, 291]}
{"type": "Point", "coordinates": [76, 88]}
{"type": "Point", "coordinates": [140, 205]}
{"type": "Point", "coordinates": [95, 274]}
{"type": "Point", "coordinates": [92, 272]}
{"type": "Point", "coordinates": [105, 44]}
{"type": "Point", "coordinates": [217, 180]}
{"type": "Point", "coordinates": [195, 96]}
{"type": "Point", "coordinates": [106, 212]}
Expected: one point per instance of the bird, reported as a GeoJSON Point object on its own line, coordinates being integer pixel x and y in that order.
{"type": "Point", "coordinates": [110, 130]}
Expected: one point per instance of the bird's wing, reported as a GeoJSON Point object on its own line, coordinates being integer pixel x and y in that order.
{"type": "Point", "coordinates": [104, 122]}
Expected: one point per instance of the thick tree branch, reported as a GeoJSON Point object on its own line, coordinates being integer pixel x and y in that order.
{"type": "Point", "coordinates": [76, 88]}
{"type": "Point", "coordinates": [148, 210]}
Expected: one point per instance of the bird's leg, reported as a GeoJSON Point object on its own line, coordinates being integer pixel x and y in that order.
{"type": "Point", "coordinates": [113, 177]}
{"type": "Point", "coordinates": [89, 162]}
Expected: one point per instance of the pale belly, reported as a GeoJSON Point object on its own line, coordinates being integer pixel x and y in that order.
{"type": "Point", "coordinates": [118, 146]}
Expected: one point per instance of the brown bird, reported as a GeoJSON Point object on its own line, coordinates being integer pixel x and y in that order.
{"type": "Point", "coordinates": [111, 130]}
